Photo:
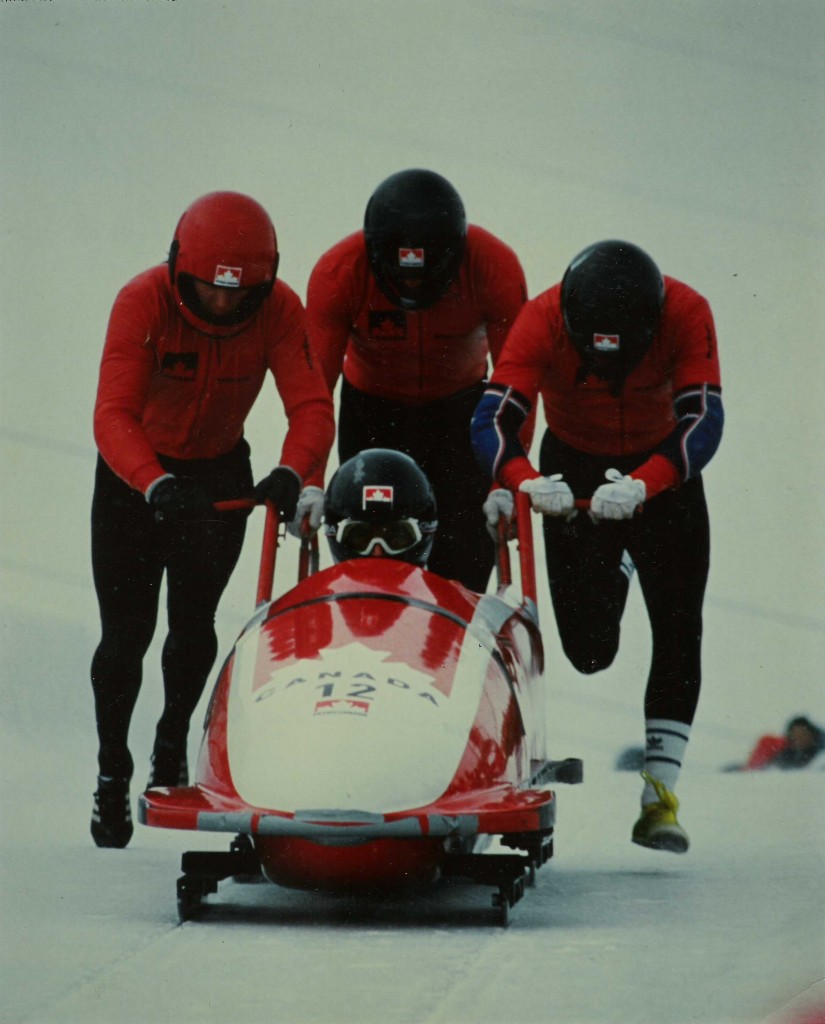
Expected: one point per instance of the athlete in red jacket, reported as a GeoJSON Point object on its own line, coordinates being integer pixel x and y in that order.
{"type": "Point", "coordinates": [187, 349]}
{"type": "Point", "coordinates": [626, 364]}
{"type": "Point", "coordinates": [409, 310]}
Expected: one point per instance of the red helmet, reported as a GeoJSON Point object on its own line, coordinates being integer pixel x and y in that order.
{"type": "Point", "coordinates": [227, 240]}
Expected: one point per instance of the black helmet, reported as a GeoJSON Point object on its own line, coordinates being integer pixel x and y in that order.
{"type": "Point", "coordinates": [380, 503]}
{"type": "Point", "coordinates": [611, 298]}
{"type": "Point", "coordinates": [415, 229]}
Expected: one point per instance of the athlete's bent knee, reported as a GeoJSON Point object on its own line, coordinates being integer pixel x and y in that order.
{"type": "Point", "coordinates": [590, 660]}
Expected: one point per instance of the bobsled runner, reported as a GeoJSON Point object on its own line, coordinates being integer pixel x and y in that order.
{"type": "Point", "coordinates": [376, 727]}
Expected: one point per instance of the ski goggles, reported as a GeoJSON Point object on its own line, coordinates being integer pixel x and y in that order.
{"type": "Point", "coordinates": [361, 536]}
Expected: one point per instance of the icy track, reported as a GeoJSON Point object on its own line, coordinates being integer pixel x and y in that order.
{"type": "Point", "coordinates": [731, 933]}
{"type": "Point", "coordinates": [695, 130]}
{"type": "Point", "coordinates": [610, 933]}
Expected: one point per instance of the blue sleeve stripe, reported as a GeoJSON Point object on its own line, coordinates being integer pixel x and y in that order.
{"type": "Point", "coordinates": [701, 419]}
{"type": "Point", "coordinates": [495, 426]}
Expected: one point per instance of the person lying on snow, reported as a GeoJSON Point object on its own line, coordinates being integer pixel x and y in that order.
{"type": "Point", "coordinates": [799, 747]}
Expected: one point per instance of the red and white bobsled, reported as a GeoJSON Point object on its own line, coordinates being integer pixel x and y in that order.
{"type": "Point", "coordinates": [375, 727]}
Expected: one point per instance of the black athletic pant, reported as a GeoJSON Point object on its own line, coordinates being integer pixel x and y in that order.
{"type": "Point", "coordinates": [669, 543]}
{"type": "Point", "coordinates": [437, 436]}
{"type": "Point", "coordinates": [130, 553]}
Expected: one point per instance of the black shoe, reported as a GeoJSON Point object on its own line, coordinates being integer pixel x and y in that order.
{"type": "Point", "coordinates": [169, 767]}
{"type": "Point", "coordinates": [112, 813]}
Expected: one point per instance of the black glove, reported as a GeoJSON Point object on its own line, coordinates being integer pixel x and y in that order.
{"type": "Point", "coordinates": [176, 499]}
{"type": "Point", "coordinates": [281, 487]}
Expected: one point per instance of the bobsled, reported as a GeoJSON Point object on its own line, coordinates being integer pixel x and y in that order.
{"type": "Point", "coordinates": [376, 727]}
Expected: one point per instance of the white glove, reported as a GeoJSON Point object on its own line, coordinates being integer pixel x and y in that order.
{"type": "Point", "coordinates": [498, 503]}
{"type": "Point", "coordinates": [310, 501]}
{"type": "Point", "coordinates": [619, 499]}
{"type": "Point", "coordinates": [550, 495]}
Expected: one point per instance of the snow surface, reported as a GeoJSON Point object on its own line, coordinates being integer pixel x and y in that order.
{"type": "Point", "coordinates": [694, 129]}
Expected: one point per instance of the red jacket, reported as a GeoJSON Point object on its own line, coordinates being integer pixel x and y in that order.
{"type": "Point", "coordinates": [766, 749]}
{"type": "Point", "coordinates": [166, 388]}
{"type": "Point", "coordinates": [413, 357]}
{"type": "Point", "coordinates": [540, 358]}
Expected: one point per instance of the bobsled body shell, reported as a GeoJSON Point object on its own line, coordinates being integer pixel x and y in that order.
{"type": "Point", "coordinates": [375, 702]}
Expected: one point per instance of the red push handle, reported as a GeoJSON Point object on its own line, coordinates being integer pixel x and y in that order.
{"type": "Point", "coordinates": [235, 504]}
{"type": "Point", "coordinates": [269, 548]}
{"type": "Point", "coordinates": [503, 568]}
{"type": "Point", "coordinates": [308, 558]}
{"type": "Point", "coordinates": [524, 534]}
{"type": "Point", "coordinates": [525, 548]}
{"type": "Point", "coordinates": [266, 572]}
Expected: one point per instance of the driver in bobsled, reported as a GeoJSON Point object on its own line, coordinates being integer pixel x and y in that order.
{"type": "Point", "coordinates": [380, 504]}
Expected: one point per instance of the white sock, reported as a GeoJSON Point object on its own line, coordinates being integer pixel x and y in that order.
{"type": "Point", "coordinates": [664, 752]}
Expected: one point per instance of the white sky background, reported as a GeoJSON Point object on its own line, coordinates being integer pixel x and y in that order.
{"type": "Point", "coordinates": [693, 129]}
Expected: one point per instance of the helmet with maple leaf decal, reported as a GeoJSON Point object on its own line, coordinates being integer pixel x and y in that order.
{"type": "Point", "coordinates": [224, 240]}
{"type": "Point", "coordinates": [612, 296]}
{"type": "Point", "coordinates": [415, 231]}
{"type": "Point", "coordinates": [379, 503]}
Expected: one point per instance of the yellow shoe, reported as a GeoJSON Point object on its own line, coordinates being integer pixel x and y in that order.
{"type": "Point", "coordinates": [657, 828]}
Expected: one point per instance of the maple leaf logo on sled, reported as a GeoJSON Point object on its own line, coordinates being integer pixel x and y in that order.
{"type": "Point", "coordinates": [228, 277]}
{"type": "Point", "coordinates": [342, 707]}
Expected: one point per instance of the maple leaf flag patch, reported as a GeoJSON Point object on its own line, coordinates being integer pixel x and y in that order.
{"type": "Point", "coordinates": [606, 342]}
{"type": "Point", "coordinates": [379, 493]}
{"type": "Point", "coordinates": [228, 277]}
{"type": "Point", "coordinates": [410, 257]}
